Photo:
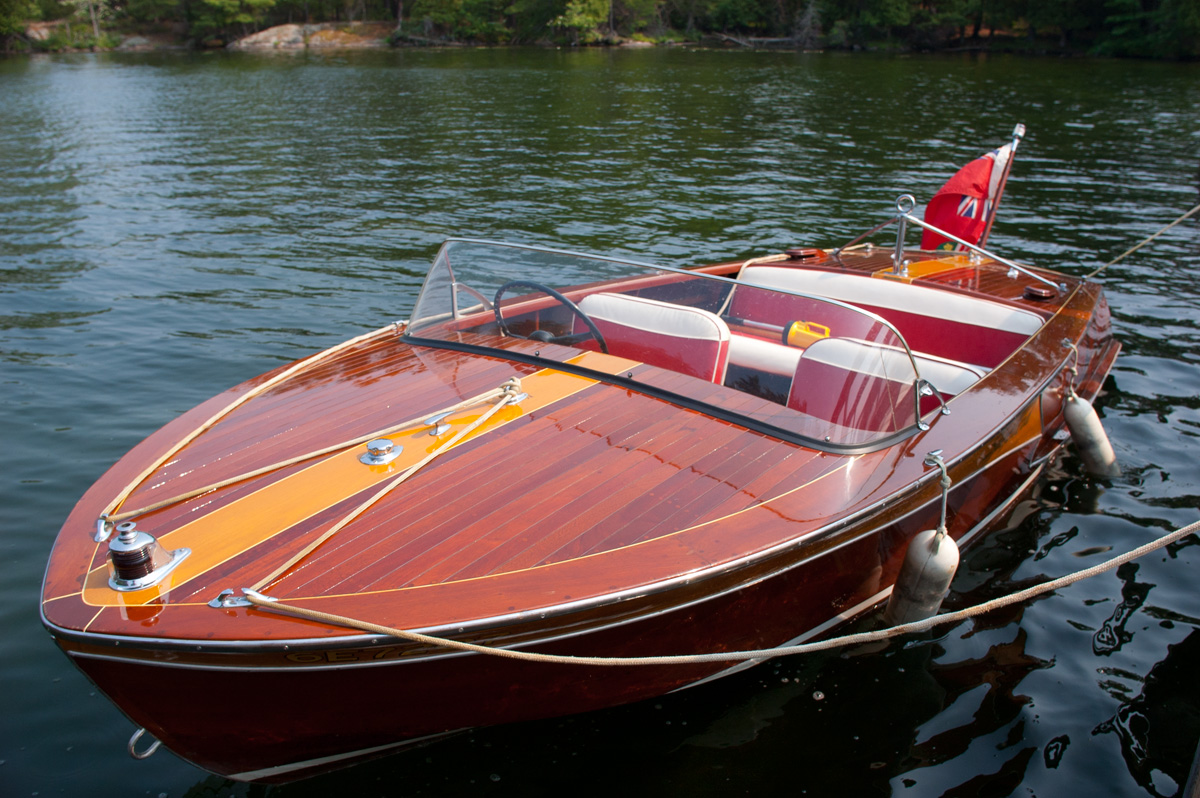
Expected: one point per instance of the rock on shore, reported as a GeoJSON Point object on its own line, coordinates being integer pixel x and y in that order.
{"type": "Point", "coordinates": [327, 34]}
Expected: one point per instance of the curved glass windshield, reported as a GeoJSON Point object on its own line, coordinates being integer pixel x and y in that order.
{"type": "Point", "coordinates": [808, 366]}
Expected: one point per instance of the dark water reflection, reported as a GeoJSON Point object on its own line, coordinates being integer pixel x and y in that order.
{"type": "Point", "coordinates": [173, 224]}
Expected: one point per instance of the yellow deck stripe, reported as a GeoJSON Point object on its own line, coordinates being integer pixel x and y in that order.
{"type": "Point", "coordinates": [228, 531]}
{"type": "Point", "coordinates": [926, 268]}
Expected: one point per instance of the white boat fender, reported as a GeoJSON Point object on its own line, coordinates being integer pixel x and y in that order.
{"type": "Point", "coordinates": [1084, 425]}
{"type": "Point", "coordinates": [1090, 439]}
{"type": "Point", "coordinates": [929, 566]}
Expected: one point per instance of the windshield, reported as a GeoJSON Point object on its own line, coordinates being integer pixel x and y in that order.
{"type": "Point", "coordinates": [807, 366]}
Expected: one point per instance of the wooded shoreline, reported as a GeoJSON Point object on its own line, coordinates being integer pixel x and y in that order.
{"type": "Point", "coordinates": [1158, 29]}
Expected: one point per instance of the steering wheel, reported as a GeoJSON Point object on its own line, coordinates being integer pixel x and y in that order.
{"type": "Point", "coordinates": [542, 335]}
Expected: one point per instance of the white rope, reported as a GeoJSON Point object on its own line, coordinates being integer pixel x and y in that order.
{"type": "Point", "coordinates": [268, 603]}
{"type": "Point", "coordinates": [1145, 241]}
{"type": "Point", "coordinates": [507, 394]}
{"type": "Point", "coordinates": [116, 503]}
{"type": "Point", "coordinates": [415, 423]}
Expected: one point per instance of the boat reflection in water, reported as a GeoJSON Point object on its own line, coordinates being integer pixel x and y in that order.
{"type": "Point", "coordinates": [1159, 727]}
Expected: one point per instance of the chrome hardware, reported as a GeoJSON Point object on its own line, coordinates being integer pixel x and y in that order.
{"type": "Point", "coordinates": [456, 286]}
{"type": "Point", "coordinates": [438, 423]}
{"type": "Point", "coordinates": [227, 600]}
{"type": "Point", "coordinates": [934, 458]}
{"type": "Point", "coordinates": [904, 205]}
{"type": "Point", "coordinates": [1070, 369]}
{"type": "Point", "coordinates": [255, 594]}
{"type": "Point", "coordinates": [976, 248]}
{"type": "Point", "coordinates": [380, 451]}
{"type": "Point", "coordinates": [104, 529]}
{"type": "Point", "coordinates": [131, 746]}
{"type": "Point", "coordinates": [902, 220]}
{"type": "Point", "coordinates": [136, 560]}
{"type": "Point", "coordinates": [515, 398]}
{"type": "Point", "coordinates": [927, 388]}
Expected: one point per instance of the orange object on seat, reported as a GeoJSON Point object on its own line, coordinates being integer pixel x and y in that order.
{"type": "Point", "coordinates": [804, 333]}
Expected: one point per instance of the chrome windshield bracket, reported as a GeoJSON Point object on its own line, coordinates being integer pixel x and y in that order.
{"type": "Point", "coordinates": [927, 388]}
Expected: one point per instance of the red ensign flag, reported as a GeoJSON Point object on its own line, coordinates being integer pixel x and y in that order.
{"type": "Point", "coordinates": [964, 205]}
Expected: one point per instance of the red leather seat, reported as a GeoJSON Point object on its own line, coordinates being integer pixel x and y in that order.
{"type": "Point", "coordinates": [675, 337]}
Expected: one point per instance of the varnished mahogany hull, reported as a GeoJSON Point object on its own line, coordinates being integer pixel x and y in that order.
{"type": "Point", "coordinates": [313, 708]}
{"type": "Point", "coordinates": [719, 538]}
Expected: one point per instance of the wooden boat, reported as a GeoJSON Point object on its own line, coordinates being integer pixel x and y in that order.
{"type": "Point", "coordinates": [652, 461]}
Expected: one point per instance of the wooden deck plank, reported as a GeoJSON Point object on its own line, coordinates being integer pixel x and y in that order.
{"type": "Point", "coordinates": [437, 508]}
{"type": "Point", "coordinates": [637, 470]}
{"type": "Point", "coordinates": [536, 507]}
{"type": "Point", "coordinates": [631, 451]}
{"type": "Point", "coordinates": [622, 527]}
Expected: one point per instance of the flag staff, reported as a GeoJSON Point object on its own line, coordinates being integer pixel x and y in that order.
{"type": "Point", "coordinates": [1017, 135]}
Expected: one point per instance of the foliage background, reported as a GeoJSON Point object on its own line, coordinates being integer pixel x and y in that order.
{"type": "Point", "coordinates": [1131, 28]}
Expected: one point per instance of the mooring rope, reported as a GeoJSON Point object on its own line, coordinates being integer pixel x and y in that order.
{"type": "Point", "coordinates": [258, 390]}
{"type": "Point", "coordinates": [269, 603]}
{"type": "Point", "coordinates": [415, 423]}
{"type": "Point", "coordinates": [1145, 241]}
{"type": "Point", "coordinates": [506, 394]}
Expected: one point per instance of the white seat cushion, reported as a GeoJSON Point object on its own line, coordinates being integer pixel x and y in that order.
{"type": "Point", "coordinates": [675, 337]}
{"type": "Point", "coordinates": [882, 293]}
{"type": "Point", "coordinates": [761, 355]}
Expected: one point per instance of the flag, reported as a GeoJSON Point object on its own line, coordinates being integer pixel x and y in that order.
{"type": "Point", "coordinates": [966, 203]}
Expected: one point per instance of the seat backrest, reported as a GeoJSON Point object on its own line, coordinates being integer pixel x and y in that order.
{"type": "Point", "coordinates": [890, 294]}
{"type": "Point", "coordinates": [855, 384]}
{"type": "Point", "coordinates": [675, 337]}
{"type": "Point", "coordinates": [963, 328]}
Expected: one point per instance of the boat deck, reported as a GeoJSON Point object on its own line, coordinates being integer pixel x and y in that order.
{"type": "Point", "coordinates": [636, 491]}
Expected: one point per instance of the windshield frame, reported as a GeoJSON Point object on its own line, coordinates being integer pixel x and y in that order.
{"type": "Point", "coordinates": [432, 283]}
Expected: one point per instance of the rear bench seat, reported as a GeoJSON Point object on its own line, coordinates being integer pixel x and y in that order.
{"type": "Point", "coordinates": [984, 333]}
{"type": "Point", "coordinates": [948, 376]}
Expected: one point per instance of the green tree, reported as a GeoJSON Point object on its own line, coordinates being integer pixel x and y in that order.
{"type": "Point", "coordinates": [581, 19]}
{"type": "Point", "coordinates": [631, 16]}
{"type": "Point", "coordinates": [477, 20]}
{"type": "Point", "coordinates": [13, 14]}
{"type": "Point", "coordinates": [152, 10]}
{"type": "Point", "coordinates": [688, 15]}
{"type": "Point", "coordinates": [1151, 28]}
{"type": "Point", "coordinates": [220, 18]}
{"type": "Point", "coordinates": [858, 21]}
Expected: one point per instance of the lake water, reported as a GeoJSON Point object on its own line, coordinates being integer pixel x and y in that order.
{"type": "Point", "coordinates": [172, 224]}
